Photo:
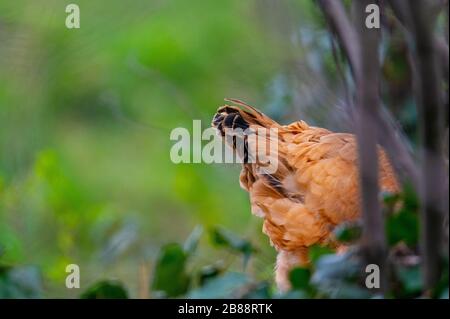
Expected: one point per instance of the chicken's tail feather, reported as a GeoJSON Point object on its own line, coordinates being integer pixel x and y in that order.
{"type": "Point", "coordinates": [242, 117]}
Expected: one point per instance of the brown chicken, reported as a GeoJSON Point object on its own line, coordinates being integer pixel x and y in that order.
{"type": "Point", "coordinates": [314, 188]}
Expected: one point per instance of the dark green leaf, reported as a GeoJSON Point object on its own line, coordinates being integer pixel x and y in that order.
{"type": "Point", "coordinates": [403, 226]}
{"type": "Point", "coordinates": [411, 279]}
{"type": "Point", "coordinates": [105, 290]}
{"type": "Point", "coordinates": [336, 270]}
{"type": "Point", "coordinates": [170, 271]}
{"type": "Point", "coordinates": [348, 232]}
{"type": "Point", "coordinates": [208, 272]}
{"type": "Point", "coordinates": [410, 198]}
{"type": "Point", "coordinates": [299, 278]}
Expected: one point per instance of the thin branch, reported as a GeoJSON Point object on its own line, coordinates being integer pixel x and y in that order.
{"type": "Point", "coordinates": [431, 131]}
{"type": "Point", "coordinates": [390, 135]}
{"type": "Point", "coordinates": [340, 24]}
{"type": "Point", "coordinates": [403, 14]}
{"type": "Point", "coordinates": [368, 107]}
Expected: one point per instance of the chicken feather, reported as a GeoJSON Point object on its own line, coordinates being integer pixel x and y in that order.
{"type": "Point", "coordinates": [315, 187]}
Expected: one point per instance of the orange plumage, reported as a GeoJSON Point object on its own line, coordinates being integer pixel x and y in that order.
{"type": "Point", "coordinates": [314, 188]}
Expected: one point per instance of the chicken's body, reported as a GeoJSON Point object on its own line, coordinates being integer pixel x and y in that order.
{"type": "Point", "coordinates": [315, 187]}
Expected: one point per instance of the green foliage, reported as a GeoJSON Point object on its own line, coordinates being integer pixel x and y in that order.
{"type": "Point", "coordinates": [225, 286]}
{"type": "Point", "coordinates": [20, 282]}
{"type": "Point", "coordinates": [330, 275]}
{"type": "Point", "coordinates": [315, 252]}
{"type": "Point", "coordinates": [170, 272]}
{"type": "Point", "coordinates": [337, 275]}
{"type": "Point", "coordinates": [299, 278]}
{"type": "Point", "coordinates": [105, 290]}
{"type": "Point", "coordinates": [85, 119]}
{"type": "Point", "coordinates": [411, 279]}
{"type": "Point", "coordinates": [403, 225]}
{"type": "Point", "coordinates": [209, 271]}
{"type": "Point", "coordinates": [348, 232]}
{"type": "Point", "coordinates": [224, 238]}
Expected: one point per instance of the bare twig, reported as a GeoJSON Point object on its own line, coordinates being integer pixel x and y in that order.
{"type": "Point", "coordinates": [431, 131]}
{"type": "Point", "coordinates": [403, 14]}
{"type": "Point", "coordinates": [389, 135]}
{"type": "Point", "coordinates": [368, 106]}
{"type": "Point", "coordinates": [337, 18]}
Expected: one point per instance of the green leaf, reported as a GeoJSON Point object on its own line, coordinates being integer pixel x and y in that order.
{"type": "Point", "coordinates": [403, 226]}
{"type": "Point", "coordinates": [315, 252]}
{"type": "Point", "coordinates": [410, 198]}
{"type": "Point", "coordinates": [105, 290]}
{"type": "Point", "coordinates": [20, 282]}
{"type": "Point", "coordinates": [336, 276]}
{"type": "Point", "coordinates": [170, 271]}
{"type": "Point", "coordinates": [334, 271]}
{"type": "Point", "coordinates": [208, 272]}
{"type": "Point", "coordinates": [348, 232]}
{"type": "Point", "coordinates": [191, 243]}
{"type": "Point", "coordinates": [228, 285]}
{"type": "Point", "coordinates": [299, 278]}
{"type": "Point", "coordinates": [411, 278]}
{"type": "Point", "coordinates": [227, 239]}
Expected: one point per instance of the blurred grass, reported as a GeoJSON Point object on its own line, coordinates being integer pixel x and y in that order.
{"type": "Point", "coordinates": [85, 117]}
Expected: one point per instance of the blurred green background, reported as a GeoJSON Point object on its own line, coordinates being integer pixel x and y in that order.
{"type": "Point", "coordinates": [85, 118]}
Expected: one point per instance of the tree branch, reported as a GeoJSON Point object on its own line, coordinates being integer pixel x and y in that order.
{"type": "Point", "coordinates": [368, 106]}
{"type": "Point", "coordinates": [389, 135]}
{"type": "Point", "coordinates": [431, 131]}
{"type": "Point", "coordinates": [340, 24]}
{"type": "Point", "coordinates": [403, 14]}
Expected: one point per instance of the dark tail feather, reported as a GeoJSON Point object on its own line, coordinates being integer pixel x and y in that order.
{"type": "Point", "coordinates": [234, 117]}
